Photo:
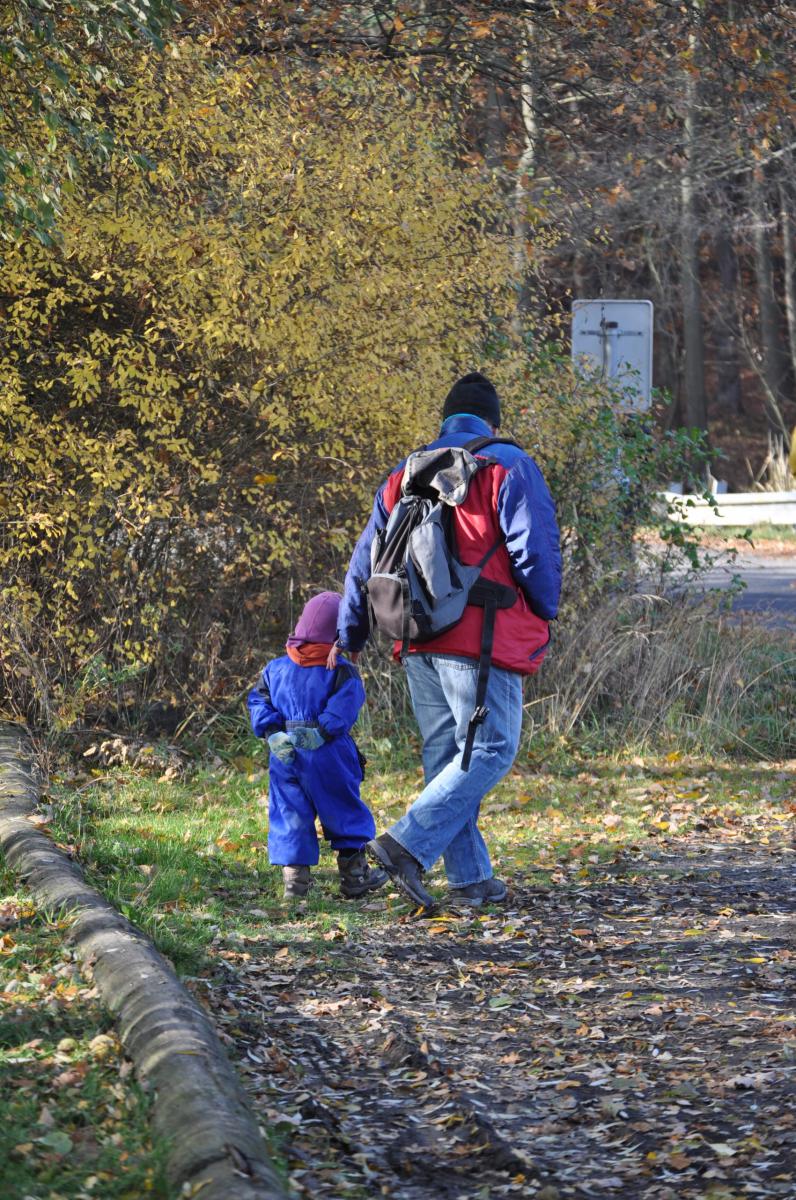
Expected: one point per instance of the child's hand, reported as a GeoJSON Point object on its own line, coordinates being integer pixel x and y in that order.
{"type": "Point", "coordinates": [307, 737]}
{"type": "Point", "coordinates": [283, 747]}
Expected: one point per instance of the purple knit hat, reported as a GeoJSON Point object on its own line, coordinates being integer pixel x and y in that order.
{"type": "Point", "coordinates": [318, 620]}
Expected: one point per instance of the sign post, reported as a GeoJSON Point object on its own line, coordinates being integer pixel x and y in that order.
{"type": "Point", "coordinates": [612, 340]}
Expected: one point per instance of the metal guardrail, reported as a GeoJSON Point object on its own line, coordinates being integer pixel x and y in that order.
{"type": "Point", "coordinates": [736, 508]}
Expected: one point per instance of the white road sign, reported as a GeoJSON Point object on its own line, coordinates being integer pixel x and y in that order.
{"type": "Point", "coordinates": [613, 339]}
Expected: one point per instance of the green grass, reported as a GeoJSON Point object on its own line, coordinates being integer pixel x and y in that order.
{"type": "Point", "coordinates": [187, 860]}
{"type": "Point", "coordinates": [72, 1121]}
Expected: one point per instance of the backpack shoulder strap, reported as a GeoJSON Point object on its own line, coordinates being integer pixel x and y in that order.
{"type": "Point", "coordinates": [473, 447]}
{"type": "Point", "coordinates": [478, 443]}
{"type": "Point", "coordinates": [490, 596]}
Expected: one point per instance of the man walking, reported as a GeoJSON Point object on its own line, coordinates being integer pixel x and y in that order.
{"type": "Point", "coordinates": [508, 504]}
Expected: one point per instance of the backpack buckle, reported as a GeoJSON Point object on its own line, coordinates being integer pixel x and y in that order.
{"type": "Point", "coordinates": [479, 716]}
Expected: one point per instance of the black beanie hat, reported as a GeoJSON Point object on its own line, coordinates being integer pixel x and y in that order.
{"type": "Point", "coordinates": [473, 394]}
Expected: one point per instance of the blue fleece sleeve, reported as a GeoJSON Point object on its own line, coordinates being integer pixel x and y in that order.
{"type": "Point", "coordinates": [342, 707]}
{"type": "Point", "coordinates": [527, 518]}
{"type": "Point", "coordinates": [354, 624]}
{"type": "Point", "coordinates": [265, 719]}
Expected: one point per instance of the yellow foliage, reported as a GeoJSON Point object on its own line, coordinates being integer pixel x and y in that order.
{"type": "Point", "coordinates": [200, 390]}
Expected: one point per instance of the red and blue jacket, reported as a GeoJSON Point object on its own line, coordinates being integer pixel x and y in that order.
{"type": "Point", "coordinates": [507, 499]}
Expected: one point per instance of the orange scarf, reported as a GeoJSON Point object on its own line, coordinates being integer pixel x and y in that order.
{"type": "Point", "coordinates": [309, 654]}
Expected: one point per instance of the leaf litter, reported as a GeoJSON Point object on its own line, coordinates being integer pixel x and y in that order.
{"type": "Point", "coordinates": [630, 1032]}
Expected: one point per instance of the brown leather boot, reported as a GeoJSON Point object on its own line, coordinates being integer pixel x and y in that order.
{"type": "Point", "coordinates": [403, 869]}
{"type": "Point", "coordinates": [356, 877]}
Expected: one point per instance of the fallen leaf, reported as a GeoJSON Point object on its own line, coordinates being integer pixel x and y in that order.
{"type": "Point", "coordinates": [56, 1141]}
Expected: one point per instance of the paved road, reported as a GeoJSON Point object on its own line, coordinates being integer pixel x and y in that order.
{"type": "Point", "coordinates": [770, 585]}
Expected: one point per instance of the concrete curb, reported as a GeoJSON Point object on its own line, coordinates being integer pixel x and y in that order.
{"type": "Point", "coordinates": [735, 508]}
{"type": "Point", "coordinates": [201, 1112]}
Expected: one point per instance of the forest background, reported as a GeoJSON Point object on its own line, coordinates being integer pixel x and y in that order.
{"type": "Point", "coordinates": [246, 254]}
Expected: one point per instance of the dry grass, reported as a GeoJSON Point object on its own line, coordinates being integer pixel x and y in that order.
{"type": "Point", "coordinates": [642, 667]}
{"type": "Point", "coordinates": [775, 474]}
{"type": "Point", "coordinates": [640, 671]}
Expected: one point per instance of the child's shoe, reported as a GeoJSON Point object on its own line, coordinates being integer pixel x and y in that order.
{"type": "Point", "coordinates": [356, 876]}
{"type": "Point", "coordinates": [297, 881]}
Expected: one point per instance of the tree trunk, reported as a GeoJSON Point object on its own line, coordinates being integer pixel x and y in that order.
{"type": "Point", "coordinates": [526, 168]}
{"type": "Point", "coordinates": [494, 129]}
{"type": "Point", "coordinates": [694, 400]}
{"type": "Point", "coordinates": [789, 270]}
{"type": "Point", "coordinates": [728, 339]}
{"type": "Point", "coordinates": [667, 356]}
{"type": "Point", "coordinates": [200, 1112]}
{"type": "Point", "coordinates": [583, 282]}
{"type": "Point", "coordinates": [772, 349]}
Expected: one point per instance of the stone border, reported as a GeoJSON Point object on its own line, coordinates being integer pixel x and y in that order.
{"type": "Point", "coordinates": [200, 1111]}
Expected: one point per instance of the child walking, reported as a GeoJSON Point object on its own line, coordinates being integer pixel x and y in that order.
{"type": "Point", "coordinates": [306, 712]}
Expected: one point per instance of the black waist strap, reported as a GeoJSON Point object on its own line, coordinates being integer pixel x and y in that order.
{"type": "Point", "coordinates": [500, 594]}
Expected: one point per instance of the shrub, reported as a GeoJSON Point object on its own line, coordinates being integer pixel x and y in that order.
{"type": "Point", "coordinates": [200, 389]}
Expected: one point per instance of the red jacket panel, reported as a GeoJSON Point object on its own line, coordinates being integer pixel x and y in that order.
{"type": "Point", "coordinates": [521, 637]}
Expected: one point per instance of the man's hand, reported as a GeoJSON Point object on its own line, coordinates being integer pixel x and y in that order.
{"type": "Point", "coordinates": [283, 747]}
{"type": "Point", "coordinates": [334, 655]}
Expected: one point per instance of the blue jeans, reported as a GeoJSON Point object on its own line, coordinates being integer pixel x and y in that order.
{"type": "Point", "coordinates": [444, 818]}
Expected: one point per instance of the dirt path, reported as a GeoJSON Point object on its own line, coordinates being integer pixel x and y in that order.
{"type": "Point", "coordinates": [632, 1036]}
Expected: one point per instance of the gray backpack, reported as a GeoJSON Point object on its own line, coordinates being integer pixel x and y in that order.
{"type": "Point", "coordinates": [418, 588]}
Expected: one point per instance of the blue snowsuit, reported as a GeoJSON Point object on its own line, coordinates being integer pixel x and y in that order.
{"type": "Point", "coordinates": [323, 782]}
